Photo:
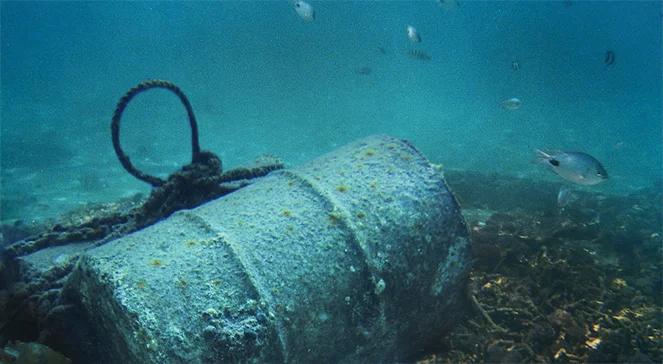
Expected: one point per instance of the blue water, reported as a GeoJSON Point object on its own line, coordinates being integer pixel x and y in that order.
{"type": "Point", "coordinates": [263, 81]}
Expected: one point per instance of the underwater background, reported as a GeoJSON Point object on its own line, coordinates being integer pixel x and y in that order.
{"type": "Point", "coordinates": [263, 81]}
{"type": "Point", "coordinates": [560, 272]}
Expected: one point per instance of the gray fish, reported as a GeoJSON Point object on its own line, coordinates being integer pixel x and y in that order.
{"type": "Point", "coordinates": [609, 58]}
{"type": "Point", "coordinates": [418, 55]}
{"type": "Point", "coordinates": [448, 5]}
{"type": "Point", "coordinates": [577, 167]}
{"type": "Point", "coordinates": [304, 10]}
{"type": "Point", "coordinates": [513, 103]}
{"type": "Point", "coordinates": [364, 71]}
{"type": "Point", "coordinates": [413, 35]}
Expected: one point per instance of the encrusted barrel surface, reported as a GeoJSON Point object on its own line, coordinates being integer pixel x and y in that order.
{"type": "Point", "coordinates": [358, 256]}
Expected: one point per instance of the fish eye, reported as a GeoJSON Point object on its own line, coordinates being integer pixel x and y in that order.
{"type": "Point", "coordinates": [297, 4]}
{"type": "Point", "coordinates": [554, 162]}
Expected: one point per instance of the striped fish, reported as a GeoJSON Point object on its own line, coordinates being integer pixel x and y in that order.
{"type": "Point", "coordinates": [418, 55]}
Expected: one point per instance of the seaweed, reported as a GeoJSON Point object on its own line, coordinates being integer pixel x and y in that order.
{"type": "Point", "coordinates": [578, 285]}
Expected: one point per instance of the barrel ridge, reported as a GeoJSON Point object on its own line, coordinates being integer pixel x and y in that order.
{"type": "Point", "coordinates": [225, 238]}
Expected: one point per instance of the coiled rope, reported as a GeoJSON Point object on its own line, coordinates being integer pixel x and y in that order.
{"type": "Point", "coordinates": [117, 116]}
{"type": "Point", "coordinates": [198, 182]}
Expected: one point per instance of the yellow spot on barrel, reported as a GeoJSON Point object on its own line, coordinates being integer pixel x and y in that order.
{"type": "Point", "coordinates": [342, 188]}
{"type": "Point", "coordinates": [216, 282]}
{"type": "Point", "coordinates": [156, 263]}
{"type": "Point", "coordinates": [181, 283]}
{"type": "Point", "coordinates": [334, 217]}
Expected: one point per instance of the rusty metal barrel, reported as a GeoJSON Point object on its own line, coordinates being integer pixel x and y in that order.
{"type": "Point", "coordinates": [361, 255]}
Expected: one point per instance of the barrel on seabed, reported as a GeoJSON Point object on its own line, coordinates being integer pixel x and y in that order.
{"type": "Point", "coordinates": [360, 255]}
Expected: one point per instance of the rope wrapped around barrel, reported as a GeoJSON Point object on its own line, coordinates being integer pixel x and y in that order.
{"type": "Point", "coordinates": [200, 181]}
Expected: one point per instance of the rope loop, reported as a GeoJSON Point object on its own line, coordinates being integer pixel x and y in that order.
{"type": "Point", "coordinates": [117, 116]}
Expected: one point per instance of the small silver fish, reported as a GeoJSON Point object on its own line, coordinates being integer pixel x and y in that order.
{"type": "Point", "coordinates": [413, 35]}
{"type": "Point", "coordinates": [304, 10]}
{"type": "Point", "coordinates": [609, 58]}
{"type": "Point", "coordinates": [577, 167]}
{"type": "Point", "coordinates": [364, 71]}
{"type": "Point", "coordinates": [513, 103]}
